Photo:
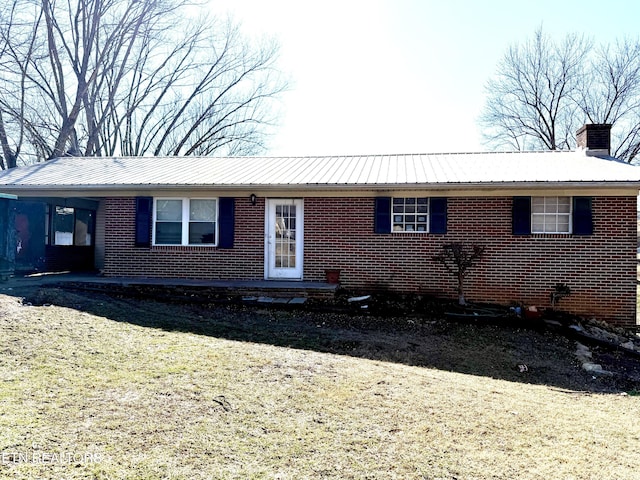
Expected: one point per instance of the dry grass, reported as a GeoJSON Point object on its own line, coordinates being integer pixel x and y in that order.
{"type": "Point", "coordinates": [144, 402]}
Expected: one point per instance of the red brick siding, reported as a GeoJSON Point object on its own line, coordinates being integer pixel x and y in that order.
{"type": "Point", "coordinates": [338, 233]}
{"type": "Point", "coordinates": [600, 269]}
{"type": "Point", "coordinates": [99, 239]}
{"type": "Point", "coordinates": [244, 261]}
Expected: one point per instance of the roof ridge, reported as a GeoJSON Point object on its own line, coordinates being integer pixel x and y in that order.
{"type": "Point", "coordinates": [302, 157]}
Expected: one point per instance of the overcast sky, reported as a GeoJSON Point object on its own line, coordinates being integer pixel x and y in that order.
{"type": "Point", "coordinates": [403, 76]}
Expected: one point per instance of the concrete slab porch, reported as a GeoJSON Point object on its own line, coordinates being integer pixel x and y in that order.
{"type": "Point", "coordinates": [240, 288]}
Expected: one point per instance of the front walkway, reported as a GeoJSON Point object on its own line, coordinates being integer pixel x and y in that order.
{"type": "Point", "coordinates": [264, 291]}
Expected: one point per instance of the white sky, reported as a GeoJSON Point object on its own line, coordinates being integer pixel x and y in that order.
{"type": "Point", "coordinates": [403, 76]}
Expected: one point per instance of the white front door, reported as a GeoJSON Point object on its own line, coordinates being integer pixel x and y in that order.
{"type": "Point", "coordinates": [284, 239]}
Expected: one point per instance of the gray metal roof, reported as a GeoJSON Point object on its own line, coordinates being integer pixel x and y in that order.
{"type": "Point", "coordinates": [372, 171]}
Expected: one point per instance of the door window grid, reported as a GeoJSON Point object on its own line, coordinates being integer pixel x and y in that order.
{"type": "Point", "coordinates": [285, 248]}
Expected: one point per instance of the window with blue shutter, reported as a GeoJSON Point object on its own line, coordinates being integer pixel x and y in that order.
{"type": "Point", "coordinates": [410, 215]}
{"type": "Point", "coordinates": [193, 221]}
{"type": "Point", "coordinates": [438, 215]}
{"type": "Point", "coordinates": [144, 211]}
{"type": "Point", "coordinates": [226, 220]}
{"type": "Point", "coordinates": [582, 216]}
{"type": "Point", "coordinates": [552, 215]}
{"type": "Point", "coordinates": [382, 220]}
{"type": "Point", "coordinates": [521, 216]}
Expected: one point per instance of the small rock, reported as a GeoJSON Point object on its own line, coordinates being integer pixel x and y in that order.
{"type": "Point", "coordinates": [603, 334]}
{"type": "Point", "coordinates": [359, 299]}
{"type": "Point", "coordinates": [595, 368]}
{"type": "Point", "coordinates": [583, 352]}
{"type": "Point", "coordinates": [552, 323]}
{"type": "Point", "coordinates": [629, 345]}
{"type": "Point", "coordinates": [297, 301]}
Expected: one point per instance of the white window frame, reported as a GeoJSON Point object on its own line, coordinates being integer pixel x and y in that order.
{"type": "Point", "coordinates": [186, 203]}
{"type": "Point", "coordinates": [403, 221]}
{"type": "Point", "coordinates": [549, 213]}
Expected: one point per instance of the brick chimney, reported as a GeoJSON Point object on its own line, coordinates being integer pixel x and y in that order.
{"type": "Point", "coordinates": [595, 138]}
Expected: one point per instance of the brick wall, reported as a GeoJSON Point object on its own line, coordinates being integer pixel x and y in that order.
{"type": "Point", "coordinates": [244, 261]}
{"type": "Point", "coordinates": [99, 236]}
{"type": "Point", "coordinates": [600, 268]}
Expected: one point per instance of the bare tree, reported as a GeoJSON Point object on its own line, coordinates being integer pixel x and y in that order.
{"type": "Point", "coordinates": [124, 77]}
{"type": "Point", "coordinates": [529, 103]}
{"type": "Point", "coordinates": [458, 258]}
{"type": "Point", "coordinates": [543, 91]}
{"type": "Point", "coordinates": [610, 93]}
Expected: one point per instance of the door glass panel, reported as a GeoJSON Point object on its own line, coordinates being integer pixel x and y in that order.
{"type": "Point", "coordinates": [63, 226]}
{"type": "Point", "coordinates": [84, 227]}
{"type": "Point", "coordinates": [285, 238]}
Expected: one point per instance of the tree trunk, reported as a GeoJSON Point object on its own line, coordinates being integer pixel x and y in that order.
{"type": "Point", "coordinates": [461, 299]}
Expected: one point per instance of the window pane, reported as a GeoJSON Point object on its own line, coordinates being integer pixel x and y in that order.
{"type": "Point", "coordinates": [538, 225]}
{"type": "Point", "coordinates": [169, 233]}
{"type": "Point", "coordinates": [169, 210]}
{"type": "Point", "coordinates": [537, 204]}
{"type": "Point", "coordinates": [83, 228]}
{"type": "Point", "coordinates": [550, 223]}
{"type": "Point", "coordinates": [202, 233]}
{"type": "Point", "coordinates": [63, 226]}
{"type": "Point", "coordinates": [564, 206]}
{"type": "Point", "coordinates": [202, 210]}
{"type": "Point", "coordinates": [563, 223]}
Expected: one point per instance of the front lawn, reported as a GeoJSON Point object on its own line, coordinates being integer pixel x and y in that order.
{"type": "Point", "coordinates": [111, 388]}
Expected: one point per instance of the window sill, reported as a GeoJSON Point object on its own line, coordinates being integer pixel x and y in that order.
{"type": "Point", "coordinates": [206, 246]}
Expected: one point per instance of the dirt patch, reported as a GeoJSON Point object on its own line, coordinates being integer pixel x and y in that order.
{"type": "Point", "coordinates": [411, 330]}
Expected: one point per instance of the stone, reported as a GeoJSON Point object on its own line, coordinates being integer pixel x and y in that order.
{"type": "Point", "coordinates": [359, 299]}
{"type": "Point", "coordinates": [629, 345]}
{"type": "Point", "coordinates": [595, 368]}
{"type": "Point", "coordinates": [297, 301]}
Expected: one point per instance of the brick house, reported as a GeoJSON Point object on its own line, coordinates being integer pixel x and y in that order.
{"type": "Point", "coordinates": [543, 217]}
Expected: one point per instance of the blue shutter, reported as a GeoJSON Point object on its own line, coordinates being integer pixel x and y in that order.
{"type": "Point", "coordinates": [144, 210]}
{"type": "Point", "coordinates": [522, 215]}
{"type": "Point", "coordinates": [438, 215]}
{"type": "Point", "coordinates": [382, 221]}
{"type": "Point", "coordinates": [226, 220]}
{"type": "Point", "coordinates": [582, 216]}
